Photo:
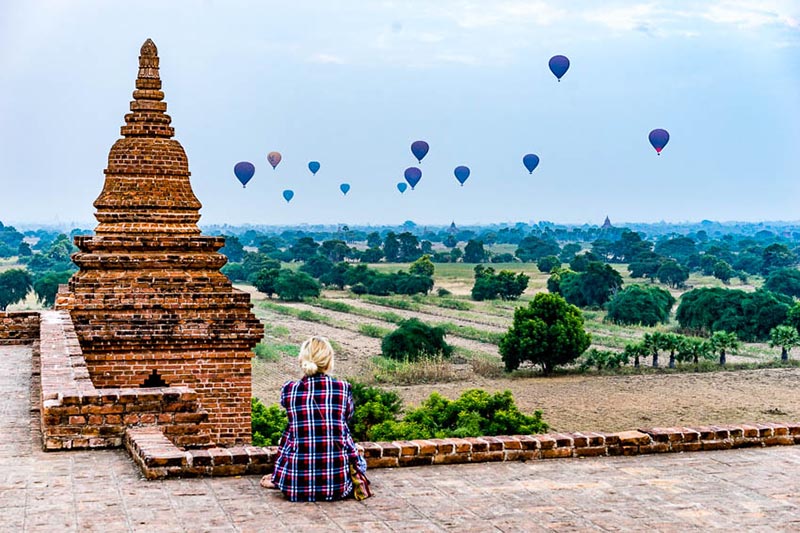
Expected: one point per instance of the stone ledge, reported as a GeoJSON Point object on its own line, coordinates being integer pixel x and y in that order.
{"type": "Point", "coordinates": [159, 458]}
{"type": "Point", "coordinates": [19, 327]}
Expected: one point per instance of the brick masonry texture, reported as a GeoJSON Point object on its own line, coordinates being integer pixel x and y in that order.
{"type": "Point", "coordinates": [149, 296]}
{"type": "Point", "coordinates": [159, 458]}
{"type": "Point", "coordinates": [19, 327]}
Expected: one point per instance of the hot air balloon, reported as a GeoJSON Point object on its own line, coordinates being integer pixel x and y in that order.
{"type": "Point", "coordinates": [244, 172]}
{"type": "Point", "coordinates": [274, 158]}
{"type": "Point", "coordinates": [531, 161]}
{"type": "Point", "coordinates": [288, 194]}
{"type": "Point", "coordinates": [559, 66]}
{"type": "Point", "coordinates": [659, 139]}
{"type": "Point", "coordinates": [413, 175]}
{"type": "Point", "coordinates": [313, 166]}
{"type": "Point", "coordinates": [344, 187]}
{"type": "Point", "coordinates": [419, 149]}
{"type": "Point", "coordinates": [462, 173]}
{"type": "Point", "coordinates": [402, 187]}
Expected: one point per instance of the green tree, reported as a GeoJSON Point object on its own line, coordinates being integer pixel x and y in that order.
{"type": "Point", "coordinates": [594, 287]}
{"type": "Point", "coordinates": [374, 240]}
{"type": "Point", "coordinates": [723, 272]}
{"type": "Point", "coordinates": [422, 267]}
{"type": "Point", "coordinates": [547, 263]}
{"type": "Point", "coordinates": [548, 332]}
{"type": "Point", "coordinates": [677, 248]}
{"type": "Point", "coordinates": [414, 340]}
{"type": "Point", "coordinates": [645, 265]}
{"type": "Point", "coordinates": [784, 281]}
{"type": "Point", "coordinates": [569, 251]}
{"type": "Point", "coordinates": [722, 342]}
{"type": "Point", "coordinates": [409, 247]}
{"type": "Point", "coordinates": [531, 248]}
{"type": "Point", "coordinates": [474, 252]}
{"type": "Point", "coordinates": [264, 280]}
{"type": "Point", "coordinates": [671, 343]}
{"type": "Point", "coordinates": [672, 274]}
{"type": "Point", "coordinates": [303, 249]}
{"type": "Point", "coordinates": [295, 286]}
{"type": "Point", "coordinates": [776, 256]}
{"type": "Point", "coordinates": [334, 249]}
{"type": "Point", "coordinates": [372, 255]}
{"type": "Point", "coordinates": [635, 304]}
{"type": "Point", "coordinates": [233, 249]}
{"type": "Point", "coordinates": [14, 286]}
{"type": "Point", "coordinates": [391, 247]}
{"type": "Point", "coordinates": [317, 265]}
{"type": "Point", "coordinates": [693, 349]}
{"type": "Point", "coordinates": [653, 342]}
{"type": "Point", "coordinates": [46, 287]}
{"type": "Point", "coordinates": [786, 337]}
{"type": "Point", "coordinates": [505, 284]}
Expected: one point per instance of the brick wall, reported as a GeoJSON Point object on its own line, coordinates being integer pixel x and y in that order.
{"type": "Point", "coordinates": [75, 414]}
{"type": "Point", "coordinates": [19, 327]}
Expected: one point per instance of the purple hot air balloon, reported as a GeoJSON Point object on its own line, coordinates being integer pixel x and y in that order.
{"type": "Point", "coordinates": [531, 161]}
{"type": "Point", "coordinates": [402, 187]}
{"type": "Point", "coordinates": [462, 173]}
{"type": "Point", "coordinates": [659, 139]}
{"type": "Point", "coordinates": [413, 175]}
{"type": "Point", "coordinates": [419, 149]}
{"type": "Point", "coordinates": [274, 158]}
{"type": "Point", "coordinates": [244, 171]}
{"type": "Point", "coordinates": [559, 66]}
{"type": "Point", "coordinates": [288, 194]}
{"type": "Point", "coordinates": [345, 188]}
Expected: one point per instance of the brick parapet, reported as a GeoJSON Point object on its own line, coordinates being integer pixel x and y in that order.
{"type": "Point", "coordinates": [20, 327]}
{"type": "Point", "coordinates": [159, 458]}
{"type": "Point", "coordinates": [75, 414]}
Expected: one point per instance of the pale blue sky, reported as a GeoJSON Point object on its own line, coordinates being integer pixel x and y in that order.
{"type": "Point", "coordinates": [352, 84]}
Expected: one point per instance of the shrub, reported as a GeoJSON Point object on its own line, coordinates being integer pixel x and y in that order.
{"type": "Point", "coordinates": [358, 288]}
{"type": "Point", "coordinates": [548, 263]}
{"type": "Point", "coordinates": [473, 414]}
{"type": "Point", "coordinates": [267, 423]}
{"type": "Point", "coordinates": [422, 266]}
{"type": "Point", "coordinates": [441, 291]}
{"type": "Point", "coordinates": [414, 340]}
{"type": "Point", "coordinates": [295, 286]}
{"type": "Point", "coordinates": [505, 284]}
{"type": "Point", "coordinates": [640, 305]}
{"type": "Point", "coordinates": [372, 406]}
{"type": "Point", "coordinates": [603, 359]}
{"type": "Point", "coordinates": [548, 332]}
{"type": "Point", "coordinates": [371, 330]}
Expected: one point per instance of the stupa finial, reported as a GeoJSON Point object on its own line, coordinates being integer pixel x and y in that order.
{"type": "Point", "coordinates": [148, 117]}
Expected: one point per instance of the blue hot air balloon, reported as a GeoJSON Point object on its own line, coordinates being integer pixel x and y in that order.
{"type": "Point", "coordinates": [244, 172]}
{"type": "Point", "coordinates": [344, 187]}
{"type": "Point", "coordinates": [288, 194]}
{"type": "Point", "coordinates": [559, 66]}
{"type": "Point", "coordinates": [402, 187]}
{"type": "Point", "coordinates": [419, 149]}
{"type": "Point", "coordinates": [531, 161]}
{"type": "Point", "coordinates": [413, 175]}
{"type": "Point", "coordinates": [313, 166]}
{"type": "Point", "coordinates": [462, 173]}
{"type": "Point", "coordinates": [659, 139]}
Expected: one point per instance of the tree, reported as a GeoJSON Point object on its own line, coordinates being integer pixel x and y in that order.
{"type": "Point", "coordinates": [374, 240]}
{"type": "Point", "coordinates": [635, 304]}
{"type": "Point", "coordinates": [677, 248]}
{"type": "Point", "coordinates": [46, 287]}
{"type": "Point", "coordinates": [653, 342]}
{"type": "Point", "coordinates": [316, 265]}
{"type": "Point", "coordinates": [336, 276]}
{"type": "Point", "coordinates": [547, 263]}
{"type": "Point", "coordinates": [233, 249]}
{"type": "Point", "coordinates": [723, 272]}
{"type": "Point", "coordinates": [569, 251]}
{"type": "Point", "coordinates": [334, 249]}
{"type": "Point", "coordinates": [707, 263]}
{"type": "Point", "coordinates": [295, 286]}
{"type": "Point", "coordinates": [253, 263]}
{"type": "Point", "coordinates": [581, 262]}
{"type": "Point", "coordinates": [303, 249]}
{"type": "Point", "coordinates": [645, 265]}
{"type": "Point", "coordinates": [786, 337]}
{"type": "Point", "coordinates": [548, 332]}
{"type": "Point", "coordinates": [784, 281]}
{"type": "Point", "coordinates": [591, 288]}
{"type": "Point", "coordinates": [409, 247]}
{"type": "Point", "coordinates": [372, 255]}
{"type": "Point", "coordinates": [672, 274]}
{"type": "Point", "coordinates": [532, 248]}
{"type": "Point", "coordinates": [264, 280]}
{"type": "Point", "coordinates": [422, 267]}
{"type": "Point", "coordinates": [450, 241]}
{"type": "Point", "coordinates": [671, 342]}
{"type": "Point", "coordinates": [722, 342]}
{"type": "Point", "coordinates": [24, 250]}
{"type": "Point", "coordinates": [629, 245]}
{"type": "Point", "coordinates": [635, 351]}
{"type": "Point", "coordinates": [414, 340]}
{"type": "Point", "coordinates": [391, 247]}
{"type": "Point", "coordinates": [693, 349]}
{"type": "Point", "coordinates": [474, 252]}
{"type": "Point", "coordinates": [777, 256]}
{"type": "Point", "coordinates": [14, 286]}
{"type": "Point", "coordinates": [505, 284]}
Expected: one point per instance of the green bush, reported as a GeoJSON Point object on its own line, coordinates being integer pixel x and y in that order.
{"type": "Point", "coordinates": [414, 340]}
{"type": "Point", "coordinates": [640, 305]}
{"type": "Point", "coordinates": [373, 406]}
{"type": "Point", "coordinates": [441, 291]}
{"type": "Point", "coordinates": [371, 330]}
{"type": "Point", "coordinates": [473, 414]}
{"type": "Point", "coordinates": [603, 359]}
{"type": "Point", "coordinates": [267, 423]}
{"type": "Point", "coordinates": [295, 286]}
{"type": "Point", "coordinates": [505, 284]}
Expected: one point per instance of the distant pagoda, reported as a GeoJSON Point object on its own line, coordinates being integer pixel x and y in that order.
{"type": "Point", "coordinates": [606, 224]}
{"type": "Point", "coordinates": [149, 303]}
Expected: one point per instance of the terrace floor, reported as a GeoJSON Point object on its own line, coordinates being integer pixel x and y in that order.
{"type": "Point", "coordinates": [752, 490]}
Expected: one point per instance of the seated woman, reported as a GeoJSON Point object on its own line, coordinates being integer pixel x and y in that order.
{"type": "Point", "coordinates": [316, 449]}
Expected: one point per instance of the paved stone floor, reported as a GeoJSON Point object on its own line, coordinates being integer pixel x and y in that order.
{"type": "Point", "coordinates": [749, 490]}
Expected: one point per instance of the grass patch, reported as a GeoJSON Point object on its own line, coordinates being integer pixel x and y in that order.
{"type": "Point", "coordinates": [468, 332]}
{"type": "Point", "coordinates": [332, 305]}
{"type": "Point", "coordinates": [391, 301]}
{"type": "Point", "coordinates": [274, 352]}
{"type": "Point", "coordinates": [300, 314]}
{"type": "Point", "coordinates": [371, 330]}
{"type": "Point", "coordinates": [434, 370]}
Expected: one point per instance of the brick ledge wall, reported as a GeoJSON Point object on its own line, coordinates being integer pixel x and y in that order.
{"type": "Point", "coordinates": [19, 327]}
{"type": "Point", "coordinates": [159, 458]}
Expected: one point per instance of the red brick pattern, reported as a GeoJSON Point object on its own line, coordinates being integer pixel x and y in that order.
{"type": "Point", "coordinates": [75, 414]}
{"type": "Point", "coordinates": [19, 327]}
{"type": "Point", "coordinates": [159, 458]}
{"type": "Point", "coordinates": [149, 295]}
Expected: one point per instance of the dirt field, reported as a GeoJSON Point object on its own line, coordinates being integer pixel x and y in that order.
{"type": "Point", "coordinates": [569, 403]}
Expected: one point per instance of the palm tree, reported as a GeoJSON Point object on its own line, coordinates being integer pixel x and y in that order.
{"type": "Point", "coordinates": [635, 350]}
{"type": "Point", "coordinates": [652, 343]}
{"type": "Point", "coordinates": [671, 342]}
{"type": "Point", "coordinates": [722, 341]}
{"type": "Point", "coordinates": [692, 348]}
{"type": "Point", "coordinates": [786, 337]}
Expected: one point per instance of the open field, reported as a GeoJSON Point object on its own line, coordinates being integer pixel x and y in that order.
{"type": "Point", "coordinates": [570, 402]}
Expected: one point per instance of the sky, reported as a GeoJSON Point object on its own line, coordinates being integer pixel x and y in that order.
{"type": "Point", "coordinates": [351, 84]}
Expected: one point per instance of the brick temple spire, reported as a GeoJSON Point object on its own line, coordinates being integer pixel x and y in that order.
{"type": "Point", "coordinates": [149, 302]}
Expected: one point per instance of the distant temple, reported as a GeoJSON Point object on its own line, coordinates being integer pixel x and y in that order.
{"type": "Point", "coordinates": [606, 224]}
{"type": "Point", "coordinates": [453, 229]}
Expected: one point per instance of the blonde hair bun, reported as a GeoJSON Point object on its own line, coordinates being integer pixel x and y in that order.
{"type": "Point", "coordinates": [316, 355]}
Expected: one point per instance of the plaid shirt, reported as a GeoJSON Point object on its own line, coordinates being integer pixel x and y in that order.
{"type": "Point", "coordinates": [316, 450]}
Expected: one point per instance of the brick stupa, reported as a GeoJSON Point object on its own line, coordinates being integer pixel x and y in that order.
{"type": "Point", "coordinates": [149, 304]}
